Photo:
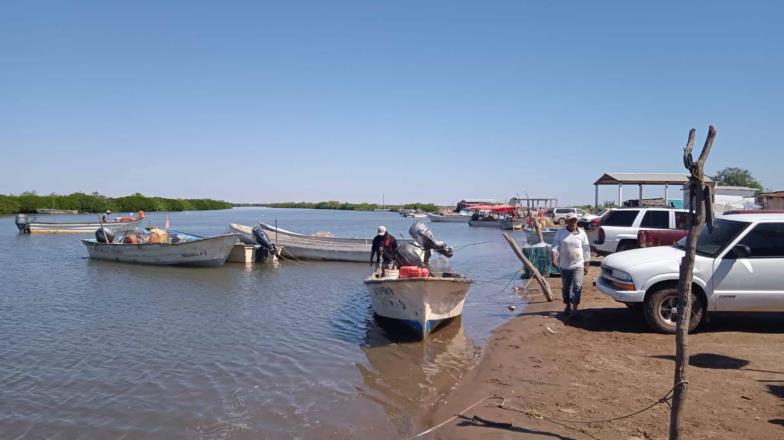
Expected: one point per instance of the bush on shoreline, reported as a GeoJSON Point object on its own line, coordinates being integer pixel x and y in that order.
{"type": "Point", "coordinates": [28, 202]}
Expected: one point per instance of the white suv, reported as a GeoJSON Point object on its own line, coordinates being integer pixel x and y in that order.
{"type": "Point", "coordinates": [559, 214]}
{"type": "Point", "coordinates": [619, 227]}
{"type": "Point", "coordinates": [737, 269]}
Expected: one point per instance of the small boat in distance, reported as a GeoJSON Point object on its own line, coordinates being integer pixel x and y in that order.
{"type": "Point", "coordinates": [193, 250]}
{"type": "Point", "coordinates": [28, 225]}
{"type": "Point", "coordinates": [57, 211]}
{"type": "Point", "coordinates": [450, 218]}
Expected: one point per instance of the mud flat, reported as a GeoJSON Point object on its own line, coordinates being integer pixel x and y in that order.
{"type": "Point", "coordinates": [606, 363]}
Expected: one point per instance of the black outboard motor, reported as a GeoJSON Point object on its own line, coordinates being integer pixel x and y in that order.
{"type": "Point", "coordinates": [22, 223]}
{"type": "Point", "coordinates": [266, 247]}
{"type": "Point", "coordinates": [104, 235]}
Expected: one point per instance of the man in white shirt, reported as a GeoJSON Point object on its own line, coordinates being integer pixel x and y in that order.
{"type": "Point", "coordinates": [571, 253]}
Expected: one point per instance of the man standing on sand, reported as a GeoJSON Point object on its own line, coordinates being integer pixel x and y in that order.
{"type": "Point", "coordinates": [571, 253]}
{"type": "Point", "coordinates": [384, 246]}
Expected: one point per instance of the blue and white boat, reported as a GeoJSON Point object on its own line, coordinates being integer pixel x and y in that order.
{"type": "Point", "coordinates": [420, 303]}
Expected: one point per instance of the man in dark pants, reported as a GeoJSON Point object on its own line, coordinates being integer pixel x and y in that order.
{"type": "Point", "coordinates": [384, 247]}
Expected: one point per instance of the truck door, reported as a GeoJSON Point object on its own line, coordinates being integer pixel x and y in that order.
{"type": "Point", "coordinates": [753, 280]}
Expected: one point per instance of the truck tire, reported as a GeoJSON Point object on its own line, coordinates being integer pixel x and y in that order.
{"type": "Point", "coordinates": [660, 310]}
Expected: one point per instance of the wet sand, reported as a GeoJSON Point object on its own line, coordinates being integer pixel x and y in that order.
{"type": "Point", "coordinates": [607, 363]}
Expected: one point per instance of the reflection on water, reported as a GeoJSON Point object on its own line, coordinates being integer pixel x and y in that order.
{"type": "Point", "coordinates": [405, 375]}
{"type": "Point", "coordinates": [97, 349]}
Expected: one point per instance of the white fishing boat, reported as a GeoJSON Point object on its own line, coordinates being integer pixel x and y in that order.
{"type": "Point", "coordinates": [547, 235]}
{"type": "Point", "coordinates": [420, 303]}
{"type": "Point", "coordinates": [53, 211]}
{"type": "Point", "coordinates": [314, 247]}
{"type": "Point", "coordinates": [32, 226]}
{"type": "Point", "coordinates": [451, 218]}
{"type": "Point", "coordinates": [192, 251]}
{"type": "Point", "coordinates": [512, 224]}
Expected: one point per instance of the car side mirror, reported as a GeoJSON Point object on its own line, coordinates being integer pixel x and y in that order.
{"type": "Point", "coordinates": [741, 251]}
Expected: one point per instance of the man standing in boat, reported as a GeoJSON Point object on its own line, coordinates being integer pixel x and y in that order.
{"type": "Point", "coordinates": [571, 253]}
{"type": "Point", "coordinates": [384, 247]}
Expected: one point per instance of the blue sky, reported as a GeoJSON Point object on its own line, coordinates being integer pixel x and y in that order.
{"type": "Point", "coordinates": [428, 101]}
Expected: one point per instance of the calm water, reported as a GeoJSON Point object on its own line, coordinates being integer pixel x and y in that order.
{"type": "Point", "coordinates": [93, 349]}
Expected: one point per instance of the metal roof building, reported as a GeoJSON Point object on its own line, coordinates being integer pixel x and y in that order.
{"type": "Point", "coordinates": [640, 179]}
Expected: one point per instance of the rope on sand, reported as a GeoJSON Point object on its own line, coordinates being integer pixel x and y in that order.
{"type": "Point", "coordinates": [665, 399]}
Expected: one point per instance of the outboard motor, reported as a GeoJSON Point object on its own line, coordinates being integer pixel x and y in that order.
{"type": "Point", "coordinates": [418, 253]}
{"type": "Point", "coordinates": [424, 237]}
{"type": "Point", "coordinates": [266, 247]}
{"type": "Point", "coordinates": [104, 235]}
{"type": "Point", "coordinates": [409, 254]}
{"type": "Point", "coordinates": [22, 223]}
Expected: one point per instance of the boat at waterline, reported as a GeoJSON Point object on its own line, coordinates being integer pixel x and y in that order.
{"type": "Point", "coordinates": [264, 246]}
{"type": "Point", "coordinates": [421, 303]}
{"type": "Point", "coordinates": [453, 218]}
{"type": "Point", "coordinates": [512, 224]}
{"type": "Point", "coordinates": [314, 247]}
{"type": "Point", "coordinates": [57, 211]}
{"type": "Point", "coordinates": [31, 226]}
{"type": "Point", "coordinates": [192, 251]}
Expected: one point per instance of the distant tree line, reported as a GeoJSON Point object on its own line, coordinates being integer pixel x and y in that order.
{"type": "Point", "coordinates": [28, 202]}
{"type": "Point", "coordinates": [345, 206]}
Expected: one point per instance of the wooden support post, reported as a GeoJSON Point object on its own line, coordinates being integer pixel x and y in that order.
{"type": "Point", "coordinates": [620, 195]}
{"type": "Point", "coordinates": [548, 294]}
{"type": "Point", "coordinates": [699, 209]}
{"type": "Point", "coordinates": [595, 196]}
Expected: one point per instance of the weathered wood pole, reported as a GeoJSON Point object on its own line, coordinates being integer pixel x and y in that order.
{"type": "Point", "coordinates": [698, 207]}
{"type": "Point", "coordinates": [534, 271]}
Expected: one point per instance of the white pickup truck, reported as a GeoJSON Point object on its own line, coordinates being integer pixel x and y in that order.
{"type": "Point", "coordinates": [738, 268]}
{"type": "Point", "coordinates": [619, 227]}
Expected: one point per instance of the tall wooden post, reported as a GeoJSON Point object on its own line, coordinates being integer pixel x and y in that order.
{"type": "Point", "coordinates": [699, 209]}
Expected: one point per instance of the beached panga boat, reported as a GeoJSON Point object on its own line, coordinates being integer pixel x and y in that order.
{"type": "Point", "coordinates": [313, 247]}
{"type": "Point", "coordinates": [193, 251]}
{"type": "Point", "coordinates": [31, 226]}
{"type": "Point", "coordinates": [453, 218]}
{"type": "Point", "coordinates": [420, 303]}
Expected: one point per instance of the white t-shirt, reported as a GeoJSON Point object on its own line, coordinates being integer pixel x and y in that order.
{"type": "Point", "coordinates": [573, 248]}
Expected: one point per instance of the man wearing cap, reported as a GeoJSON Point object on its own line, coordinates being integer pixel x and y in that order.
{"type": "Point", "coordinates": [384, 245]}
{"type": "Point", "coordinates": [571, 253]}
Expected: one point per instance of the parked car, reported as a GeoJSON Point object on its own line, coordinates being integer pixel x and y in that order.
{"type": "Point", "coordinates": [619, 227]}
{"type": "Point", "coordinates": [591, 221]}
{"type": "Point", "coordinates": [737, 269]}
{"type": "Point", "coordinates": [659, 237]}
{"type": "Point", "coordinates": [559, 214]}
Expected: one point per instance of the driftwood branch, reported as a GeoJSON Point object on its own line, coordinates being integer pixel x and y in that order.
{"type": "Point", "coordinates": [700, 208]}
{"type": "Point", "coordinates": [528, 265]}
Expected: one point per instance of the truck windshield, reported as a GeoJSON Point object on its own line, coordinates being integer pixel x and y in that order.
{"type": "Point", "coordinates": [709, 244]}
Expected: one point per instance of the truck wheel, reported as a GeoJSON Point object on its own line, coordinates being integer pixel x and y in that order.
{"type": "Point", "coordinates": [626, 245]}
{"type": "Point", "coordinates": [562, 221]}
{"type": "Point", "coordinates": [661, 310]}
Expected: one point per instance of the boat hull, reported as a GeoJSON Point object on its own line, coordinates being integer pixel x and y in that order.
{"type": "Point", "coordinates": [449, 218]}
{"type": "Point", "coordinates": [512, 225]}
{"type": "Point", "coordinates": [485, 223]}
{"type": "Point", "coordinates": [212, 251]}
{"type": "Point", "coordinates": [421, 304]}
{"type": "Point", "coordinates": [79, 228]}
{"type": "Point", "coordinates": [310, 247]}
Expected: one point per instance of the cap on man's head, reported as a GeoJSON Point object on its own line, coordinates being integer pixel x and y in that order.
{"type": "Point", "coordinates": [382, 230]}
{"type": "Point", "coordinates": [108, 212]}
{"type": "Point", "coordinates": [571, 216]}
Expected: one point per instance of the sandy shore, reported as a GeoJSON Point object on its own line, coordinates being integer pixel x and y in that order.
{"type": "Point", "coordinates": [607, 363]}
